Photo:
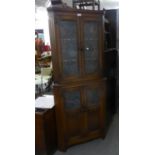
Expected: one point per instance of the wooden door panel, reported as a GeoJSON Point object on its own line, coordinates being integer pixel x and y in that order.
{"type": "Point", "coordinates": [74, 124]}
{"type": "Point", "coordinates": [74, 117]}
{"type": "Point", "coordinates": [72, 112]}
{"type": "Point", "coordinates": [93, 119]}
{"type": "Point", "coordinates": [95, 105]}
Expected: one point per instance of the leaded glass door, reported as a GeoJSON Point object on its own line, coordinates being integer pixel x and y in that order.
{"type": "Point", "coordinates": [67, 31]}
{"type": "Point", "coordinates": [95, 105]}
{"type": "Point", "coordinates": [73, 114]}
{"type": "Point", "coordinates": [91, 36]}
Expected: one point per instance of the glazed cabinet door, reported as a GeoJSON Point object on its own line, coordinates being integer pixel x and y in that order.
{"type": "Point", "coordinates": [95, 108]}
{"type": "Point", "coordinates": [71, 123]}
{"type": "Point", "coordinates": [67, 39]}
{"type": "Point", "coordinates": [92, 45]}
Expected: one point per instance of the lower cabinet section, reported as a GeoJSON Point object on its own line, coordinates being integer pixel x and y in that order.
{"type": "Point", "coordinates": [80, 112]}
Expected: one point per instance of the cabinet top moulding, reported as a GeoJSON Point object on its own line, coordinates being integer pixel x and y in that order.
{"type": "Point", "coordinates": [68, 9]}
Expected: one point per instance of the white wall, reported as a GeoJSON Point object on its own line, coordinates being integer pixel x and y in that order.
{"type": "Point", "coordinates": [41, 22]}
{"type": "Point", "coordinates": [109, 4]}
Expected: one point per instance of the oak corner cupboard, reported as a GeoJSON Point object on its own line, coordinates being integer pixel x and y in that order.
{"type": "Point", "coordinates": [78, 62]}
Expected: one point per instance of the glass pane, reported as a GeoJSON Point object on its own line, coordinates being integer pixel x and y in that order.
{"type": "Point", "coordinates": [93, 96]}
{"type": "Point", "coordinates": [72, 100]}
{"type": "Point", "coordinates": [69, 47]}
{"type": "Point", "coordinates": [91, 39]}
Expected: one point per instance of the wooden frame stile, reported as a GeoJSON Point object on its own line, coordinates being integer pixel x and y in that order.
{"type": "Point", "coordinates": [103, 104]}
{"type": "Point", "coordinates": [103, 45]}
{"type": "Point", "coordinates": [59, 117]}
{"type": "Point", "coordinates": [104, 98]}
{"type": "Point", "coordinates": [57, 54]}
{"type": "Point", "coordinates": [79, 45]}
{"type": "Point", "coordinates": [53, 41]}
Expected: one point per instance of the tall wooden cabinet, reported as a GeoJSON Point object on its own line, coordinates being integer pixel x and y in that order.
{"type": "Point", "coordinates": [79, 88]}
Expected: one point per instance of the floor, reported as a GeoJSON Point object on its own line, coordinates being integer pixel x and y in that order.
{"type": "Point", "coordinates": [108, 146]}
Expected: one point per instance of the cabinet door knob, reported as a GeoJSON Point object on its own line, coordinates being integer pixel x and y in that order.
{"type": "Point", "coordinates": [87, 48]}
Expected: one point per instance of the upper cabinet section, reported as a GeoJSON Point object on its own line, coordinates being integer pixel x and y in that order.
{"type": "Point", "coordinates": [77, 41]}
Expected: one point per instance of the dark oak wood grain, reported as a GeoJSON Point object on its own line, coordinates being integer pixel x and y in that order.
{"type": "Point", "coordinates": [79, 89]}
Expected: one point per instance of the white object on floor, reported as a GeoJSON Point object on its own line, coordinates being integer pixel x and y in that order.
{"type": "Point", "coordinates": [44, 102]}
